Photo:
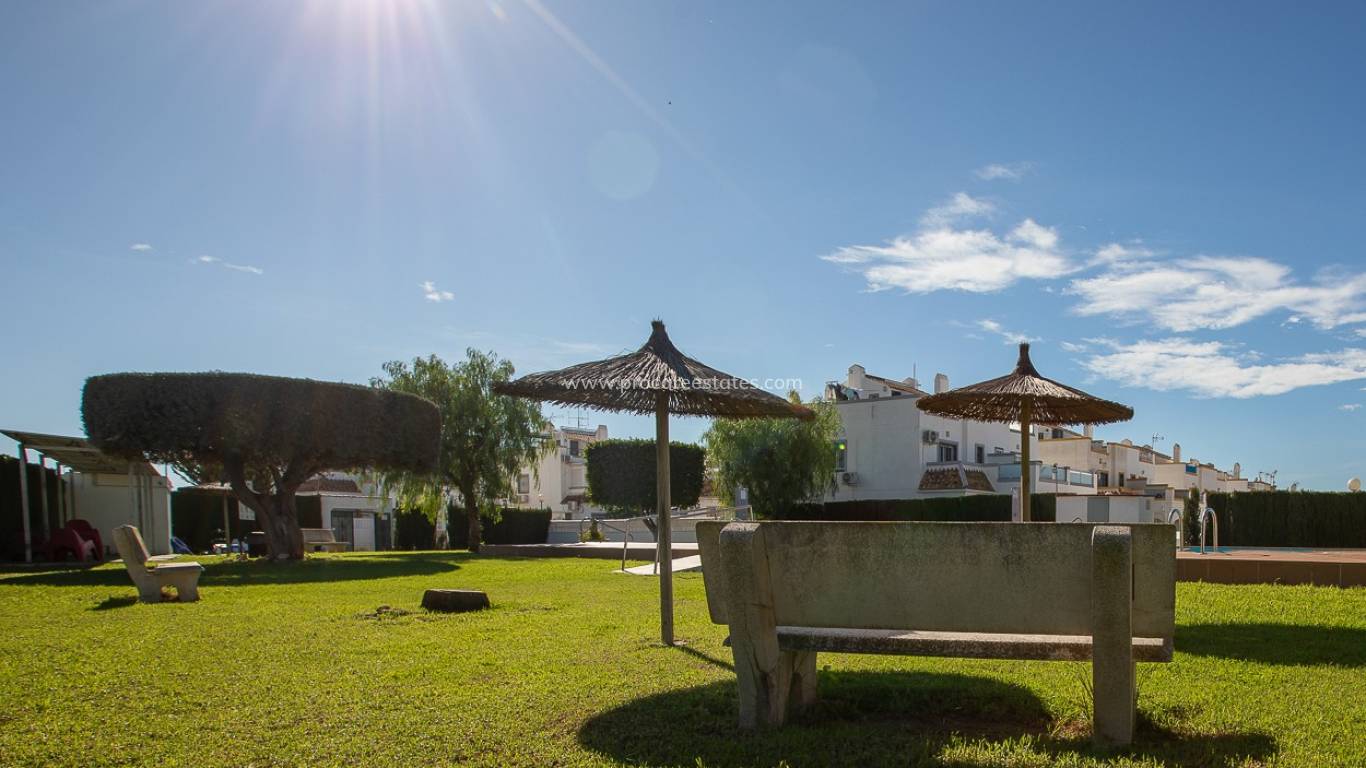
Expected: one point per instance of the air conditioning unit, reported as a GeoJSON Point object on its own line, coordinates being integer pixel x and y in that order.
{"type": "Point", "coordinates": [929, 436]}
{"type": "Point", "coordinates": [849, 478]}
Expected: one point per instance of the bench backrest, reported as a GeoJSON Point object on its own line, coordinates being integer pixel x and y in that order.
{"type": "Point", "coordinates": [134, 553]}
{"type": "Point", "coordinates": [954, 577]}
{"type": "Point", "coordinates": [318, 536]}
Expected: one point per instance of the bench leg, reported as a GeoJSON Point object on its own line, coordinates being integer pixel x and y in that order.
{"type": "Point", "coordinates": [149, 590]}
{"type": "Point", "coordinates": [187, 588]}
{"type": "Point", "coordinates": [803, 679]}
{"type": "Point", "coordinates": [1112, 655]}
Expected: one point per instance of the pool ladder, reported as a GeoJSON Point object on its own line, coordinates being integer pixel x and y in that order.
{"type": "Point", "coordinates": [1207, 515]}
{"type": "Point", "coordinates": [1207, 520]}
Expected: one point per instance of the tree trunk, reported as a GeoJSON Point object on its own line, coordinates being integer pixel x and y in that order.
{"type": "Point", "coordinates": [277, 512]}
{"type": "Point", "coordinates": [472, 520]}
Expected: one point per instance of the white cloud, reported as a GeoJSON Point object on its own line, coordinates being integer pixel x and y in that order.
{"type": "Point", "coordinates": [960, 206]}
{"type": "Point", "coordinates": [1212, 369]}
{"type": "Point", "coordinates": [1010, 337]}
{"type": "Point", "coordinates": [1119, 253]}
{"type": "Point", "coordinates": [1003, 171]}
{"type": "Point", "coordinates": [430, 293]}
{"type": "Point", "coordinates": [1073, 347]}
{"type": "Point", "coordinates": [140, 247]}
{"type": "Point", "coordinates": [941, 256]}
{"type": "Point", "coordinates": [228, 265]}
{"type": "Point", "coordinates": [1350, 407]}
{"type": "Point", "coordinates": [1208, 292]}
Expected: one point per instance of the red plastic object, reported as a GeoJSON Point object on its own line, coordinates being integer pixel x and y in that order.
{"type": "Point", "coordinates": [67, 544]}
{"type": "Point", "coordinates": [89, 533]}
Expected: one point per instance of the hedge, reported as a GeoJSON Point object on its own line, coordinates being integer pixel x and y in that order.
{"type": "Point", "coordinates": [11, 524]}
{"type": "Point", "coordinates": [266, 419]}
{"type": "Point", "coordinates": [514, 526]}
{"type": "Point", "coordinates": [196, 516]}
{"type": "Point", "coordinates": [413, 530]}
{"type": "Point", "coordinates": [621, 474]}
{"type": "Point", "coordinates": [1319, 519]}
{"type": "Point", "coordinates": [983, 508]}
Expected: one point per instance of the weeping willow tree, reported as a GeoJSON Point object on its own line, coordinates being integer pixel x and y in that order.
{"type": "Point", "coordinates": [487, 439]}
{"type": "Point", "coordinates": [780, 462]}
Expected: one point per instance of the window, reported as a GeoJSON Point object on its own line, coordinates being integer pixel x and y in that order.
{"type": "Point", "coordinates": [573, 447]}
{"type": "Point", "coordinates": [841, 455]}
{"type": "Point", "coordinates": [524, 484]}
{"type": "Point", "coordinates": [980, 454]}
{"type": "Point", "coordinates": [948, 452]}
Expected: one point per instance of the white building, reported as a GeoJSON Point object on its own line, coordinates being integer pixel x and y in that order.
{"type": "Point", "coordinates": [890, 449]}
{"type": "Point", "coordinates": [1125, 469]}
{"type": "Point", "coordinates": [560, 481]}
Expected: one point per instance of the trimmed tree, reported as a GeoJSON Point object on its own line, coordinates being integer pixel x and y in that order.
{"type": "Point", "coordinates": [621, 474]}
{"type": "Point", "coordinates": [486, 438]}
{"type": "Point", "coordinates": [264, 435]}
{"type": "Point", "coordinates": [781, 462]}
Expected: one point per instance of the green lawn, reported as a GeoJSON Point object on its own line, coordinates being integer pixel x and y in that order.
{"type": "Point", "coordinates": [294, 665]}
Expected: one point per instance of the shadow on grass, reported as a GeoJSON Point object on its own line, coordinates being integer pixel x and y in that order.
{"type": "Point", "coordinates": [891, 718]}
{"type": "Point", "coordinates": [230, 573]}
{"type": "Point", "coordinates": [112, 602]}
{"type": "Point", "coordinates": [1289, 644]}
{"type": "Point", "coordinates": [703, 656]}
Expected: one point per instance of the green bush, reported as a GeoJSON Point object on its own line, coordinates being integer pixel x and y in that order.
{"type": "Point", "coordinates": [984, 508]}
{"type": "Point", "coordinates": [266, 419]}
{"type": "Point", "coordinates": [1319, 519]}
{"type": "Point", "coordinates": [413, 530]}
{"type": "Point", "coordinates": [514, 526]}
{"type": "Point", "coordinates": [621, 474]}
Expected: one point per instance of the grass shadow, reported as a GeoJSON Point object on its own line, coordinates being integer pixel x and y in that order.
{"type": "Point", "coordinates": [886, 718]}
{"type": "Point", "coordinates": [229, 573]}
{"type": "Point", "coordinates": [1282, 644]}
{"type": "Point", "coordinates": [112, 602]}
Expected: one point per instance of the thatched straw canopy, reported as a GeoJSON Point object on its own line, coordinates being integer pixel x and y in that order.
{"type": "Point", "coordinates": [634, 382]}
{"type": "Point", "coordinates": [1002, 400]}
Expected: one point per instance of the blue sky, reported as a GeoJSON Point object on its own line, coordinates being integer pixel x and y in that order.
{"type": "Point", "coordinates": [1166, 199]}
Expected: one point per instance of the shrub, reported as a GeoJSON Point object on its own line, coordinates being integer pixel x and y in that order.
{"type": "Point", "coordinates": [621, 474]}
{"type": "Point", "coordinates": [1320, 519]}
{"type": "Point", "coordinates": [985, 508]}
{"type": "Point", "coordinates": [513, 526]}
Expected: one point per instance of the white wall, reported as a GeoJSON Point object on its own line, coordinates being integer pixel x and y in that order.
{"type": "Point", "coordinates": [106, 502]}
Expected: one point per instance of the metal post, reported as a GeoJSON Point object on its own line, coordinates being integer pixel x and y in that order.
{"type": "Point", "coordinates": [23, 503]}
{"type": "Point", "coordinates": [44, 524]}
{"type": "Point", "coordinates": [227, 531]}
{"type": "Point", "coordinates": [666, 582]}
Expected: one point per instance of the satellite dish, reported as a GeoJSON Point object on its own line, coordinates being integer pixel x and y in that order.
{"type": "Point", "coordinates": [1354, 484]}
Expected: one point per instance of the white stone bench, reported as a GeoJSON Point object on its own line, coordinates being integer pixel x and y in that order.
{"type": "Point", "coordinates": [322, 540]}
{"type": "Point", "coordinates": [183, 577]}
{"type": "Point", "coordinates": [1049, 591]}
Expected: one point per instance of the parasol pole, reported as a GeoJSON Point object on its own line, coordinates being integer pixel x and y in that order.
{"type": "Point", "coordinates": [662, 504]}
{"type": "Point", "coordinates": [1025, 418]}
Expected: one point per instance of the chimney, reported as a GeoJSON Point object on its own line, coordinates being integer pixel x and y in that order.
{"type": "Point", "coordinates": [1090, 431]}
{"type": "Point", "coordinates": [856, 374]}
{"type": "Point", "coordinates": [1176, 452]}
{"type": "Point", "coordinates": [941, 383]}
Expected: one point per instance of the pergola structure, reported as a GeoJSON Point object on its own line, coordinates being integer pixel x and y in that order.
{"type": "Point", "coordinates": [80, 455]}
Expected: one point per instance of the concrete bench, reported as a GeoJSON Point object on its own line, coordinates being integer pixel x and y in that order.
{"type": "Point", "coordinates": [183, 577]}
{"type": "Point", "coordinates": [322, 540]}
{"type": "Point", "coordinates": [1064, 592]}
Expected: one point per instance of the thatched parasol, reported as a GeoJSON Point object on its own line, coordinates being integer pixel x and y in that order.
{"type": "Point", "coordinates": [657, 379]}
{"type": "Point", "coordinates": [1028, 398]}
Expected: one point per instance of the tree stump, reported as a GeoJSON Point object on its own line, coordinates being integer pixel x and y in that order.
{"type": "Point", "coordinates": [454, 600]}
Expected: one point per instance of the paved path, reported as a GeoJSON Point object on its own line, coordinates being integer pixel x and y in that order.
{"type": "Point", "coordinates": [690, 563]}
